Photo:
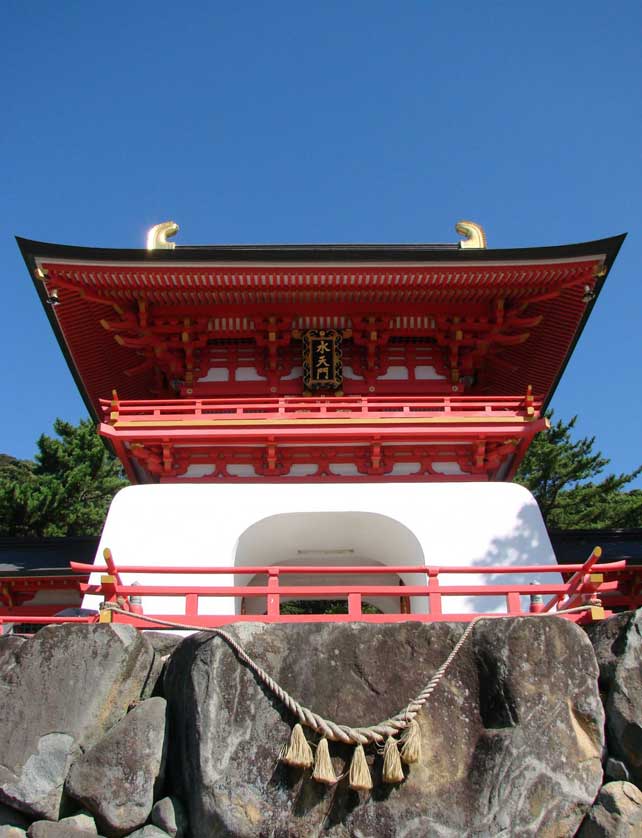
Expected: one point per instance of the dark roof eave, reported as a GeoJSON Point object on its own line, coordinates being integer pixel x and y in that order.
{"type": "Point", "coordinates": [30, 260]}
{"type": "Point", "coordinates": [615, 244]}
{"type": "Point", "coordinates": [293, 253]}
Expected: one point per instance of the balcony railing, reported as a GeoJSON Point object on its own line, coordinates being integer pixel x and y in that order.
{"type": "Point", "coordinates": [595, 590]}
{"type": "Point", "coordinates": [130, 413]}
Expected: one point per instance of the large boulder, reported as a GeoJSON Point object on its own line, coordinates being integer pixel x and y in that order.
{"type": "Point", "coordinates": [149, 831]}
{"type": "Point", "coordinates": [10, 646]}
{"type": "Point", "coordinates": [512, 737]}
{"type": "Point", "coordinates": [617, 813]}
{"type": "Point", "coordinates": [80, 821]}
{"type": "Point", "coordinates": [618, 648]}
{"type": "Point", "coordinates": [57, 829]}
{"type": "Point", "coordinates": [169, 815]}
{"type": "Point", "coordinates": [71, 685]}
{"type": "Point", "coordinates": [119, 777]}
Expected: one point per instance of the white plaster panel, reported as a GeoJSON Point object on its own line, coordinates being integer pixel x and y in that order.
{"type": "Point", "coordinates": [425, 372]}
{"type": "Point", "coordinates": [478, 524]}
{"type": "Point", "coordinates": [216, 374]}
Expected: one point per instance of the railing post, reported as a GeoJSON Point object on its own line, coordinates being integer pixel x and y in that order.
{"type": "Point", "coordinates": [110, 595]}
{"type": "Point", "coordinates": [109, 561]}
{"type": "Point", "coordinates": [273, 598]}
{"type": "Point", "coordinates": [135, 602]}
{"type": "Point", "coordinates": [191, 605]}
{"type": "Point", "coordinates": [434, 594]}
{"type": "Point", "coordinates": [354, 605]}
{"type": "Point", "coordinates": [513, 603]}
{"type": "Point", "coordinates": [536, 605]}
{"type": "Point", "coordinates": [574, 584]}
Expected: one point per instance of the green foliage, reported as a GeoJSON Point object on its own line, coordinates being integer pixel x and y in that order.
{"type": "Point", "coordinates": [561, 473]}
{"type": "Point", "coordinates": [65, 491]}
{"type": "Point", "coordinates": [323, 606]}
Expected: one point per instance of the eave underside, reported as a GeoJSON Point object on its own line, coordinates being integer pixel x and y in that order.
{"type": "Point", "coordinates": [415, 320]}
{"type": "Point", "coordinates": [527, 315]}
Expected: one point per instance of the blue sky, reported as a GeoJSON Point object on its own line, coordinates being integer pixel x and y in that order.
{"type": "Point", "coordinates": [346, 122]}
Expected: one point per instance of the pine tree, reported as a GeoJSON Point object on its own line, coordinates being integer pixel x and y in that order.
{"type": "Point", "coordinates": [561, 472]}
{"type": "Point", "coordinates": [66, 490]}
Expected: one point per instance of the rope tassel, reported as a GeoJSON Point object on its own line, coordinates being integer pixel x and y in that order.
{"type": "Point", "coordinates": [411, 743]}
{"type": "Point", "coordinates": [323, 769]}
{"type": "Point", "coordinates": [359, 777]}
{"type": "Point", "coordinates": [392, 768]}
{"type": "Point", "coordinates": [298, 752]}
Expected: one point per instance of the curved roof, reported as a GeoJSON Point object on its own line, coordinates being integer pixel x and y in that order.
{"type": "Point", "coordinates": [555, 287]}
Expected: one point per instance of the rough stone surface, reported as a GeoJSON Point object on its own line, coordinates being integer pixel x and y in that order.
{"type": "Point", "coordinates": [10, 817]}
{"type": "Point", "coordinates": [512, 737]}
{"type": "Point", "coordinates": [617, 813]}
{"type": "Point", "coordinates": [10, 647]}
{"type": "Point", "coordinates": [615, 769]}
{"type": "Point", "coordinates": [117, 779]}
{"type": "Point", "coordinates": [12, 832]}
{"type": "Point", "coordinates": [149, 832]}
{"type": "Point", "coordinates": [163, 642]}
{"type": "Point", "coordinates": [169, 814]}
{"type": "Point", "coordinates": [80, 821]}
{"type": "Point", "coordinates": [618, 648]}
{"type": "Point", "coordinates": [71, 685]}
{"type": "Point", "coordinates": [57, 829]}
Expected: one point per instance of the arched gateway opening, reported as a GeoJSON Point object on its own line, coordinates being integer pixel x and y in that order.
{"type": "Point", "coordinates": [331, 538]}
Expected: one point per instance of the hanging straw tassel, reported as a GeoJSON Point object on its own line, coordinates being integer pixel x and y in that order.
{"type": "Point", "coordinates": [323, 769]}
{"type": "Point", "coordinates": [359, 777]}
{"type": "Point", "coordinates": [298, 752]}
{"type": "Point", "coordinates": [411, 743]}
{"type": "Point", "coordinates": [392, 769]}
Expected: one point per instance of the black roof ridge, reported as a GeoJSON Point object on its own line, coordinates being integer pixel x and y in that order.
{"type": "Point", "coordinates": [321, 252]}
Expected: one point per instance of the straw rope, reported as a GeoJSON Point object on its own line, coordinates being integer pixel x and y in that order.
{"type": "Point", "coordinates": [326, 727]}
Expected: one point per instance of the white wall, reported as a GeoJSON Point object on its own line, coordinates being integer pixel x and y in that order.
{"type": "Point", "coordinates": [403, 523]}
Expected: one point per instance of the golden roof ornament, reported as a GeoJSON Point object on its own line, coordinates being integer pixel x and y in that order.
{"type": "Point", "coordinates": [474, 235]}
{"type": "Point", "coordinates": [158, 234]}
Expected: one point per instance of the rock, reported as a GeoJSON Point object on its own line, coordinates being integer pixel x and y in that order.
{"type": "Point", "coordinates": [512, 736]}
{"type": "Point", "coordinates": [148, 832]}
{"type": "Point", "coordinates": [119, 777]}
{"type": "Point", "coordinates": [10, 817]}
{"type": "Point", "coordinates": [12, 832]}
{"type": "Point", "coordinates": [72, 684]}
{"type": "Point", "coordinates": [617, 813]}
{"type": "Point", "coordinates": [57, 829]}
{"type": "Point", "coordinates": [616, 770]}
{"type": "Point", "coordinates": [618, 648]}
{"type": "Point", "coordinates": [163, 642]}
{"type": "Point", "coordinates": [80, 821]}
{"type": "Point", "coordinates": [10, 647]}
{"type": "Point", "coordinates": [609, 642]}
{"type": "Point", "coordinates": [169, 814]}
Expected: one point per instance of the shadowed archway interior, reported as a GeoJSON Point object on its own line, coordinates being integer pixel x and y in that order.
{"type": "Point", "coordinates": [330, 538]}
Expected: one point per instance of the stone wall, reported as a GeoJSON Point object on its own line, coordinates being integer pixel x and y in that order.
{"type": "Point", "coordinates": [536, 730]}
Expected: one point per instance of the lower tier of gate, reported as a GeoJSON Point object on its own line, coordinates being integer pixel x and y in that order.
{"type": "Point", "coordinates": [587, 592]}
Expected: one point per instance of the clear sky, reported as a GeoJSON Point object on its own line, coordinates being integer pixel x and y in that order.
{"type": "Point", "coordinates": [324, 122]}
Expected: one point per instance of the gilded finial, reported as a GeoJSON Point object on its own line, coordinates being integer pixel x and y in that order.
{"type": "Point", "coordinates": [158, 234]}
{"type": "Point", "coordinates": [474, 235]}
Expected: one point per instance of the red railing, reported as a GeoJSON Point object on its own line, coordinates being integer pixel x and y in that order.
{"type": "Point", "coordinates": [302, 409]}
{"type": "Point", "coordinates": [616, 585]}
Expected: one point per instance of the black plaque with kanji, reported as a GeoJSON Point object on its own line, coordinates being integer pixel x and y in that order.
{"type": "Point", "coordinates": [322, 359]}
